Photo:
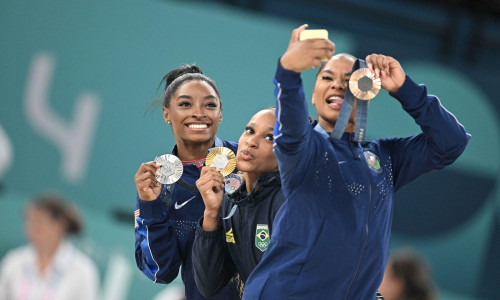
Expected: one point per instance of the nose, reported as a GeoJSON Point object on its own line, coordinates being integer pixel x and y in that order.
{"type": "Point", "coordinates": [339, 84]}
{"type": "Point", "coordinates": [199, 112]}
{"type": "Point", "coordinates": [252, 141]}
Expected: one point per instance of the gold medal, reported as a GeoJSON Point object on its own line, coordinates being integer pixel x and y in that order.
{"type": "Point", "coordinates": [223, 159]}
{"type": "Point", "coordinates": [363, 84]}
{"type": "Point", "coordinates": [171, 169]}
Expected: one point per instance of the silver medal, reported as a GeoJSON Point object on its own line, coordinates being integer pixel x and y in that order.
{"type": "Point", "coordinates": [171, 169]}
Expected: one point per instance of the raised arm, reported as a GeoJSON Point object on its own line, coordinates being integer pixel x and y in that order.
{"type": "Point", "coordinates": [443, 138]}
{"type": "Point", "coordinates": [292, 118]}
{"type": "Point", "coordinates": [213, 267]}
{"type": "Point", "coordinates": [292, 127]}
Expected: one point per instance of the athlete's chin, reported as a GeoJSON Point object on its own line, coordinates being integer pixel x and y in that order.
{"type": "Point", "coordinates": [330, 117]}
{"type": "Point", "coordinates": [244, 165]}
{"type": "Point", "coordinates": [200, 137]}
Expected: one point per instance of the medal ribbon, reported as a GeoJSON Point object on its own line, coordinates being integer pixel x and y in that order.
{"type": "Point", "coordinates": [345, 112]}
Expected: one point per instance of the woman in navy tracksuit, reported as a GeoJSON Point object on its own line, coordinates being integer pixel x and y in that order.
{"type": "Point", "coordinates": [235, 232]}
{"type": "Point", "coordinates": [166, 215]}
{"type": "Point", "coordinates": [332, 235]}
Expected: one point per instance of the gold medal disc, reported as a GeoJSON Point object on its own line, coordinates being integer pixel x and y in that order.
{"type": "Point", "coordinates": [171, 169]}
{"type": "Point", "coordinates": [223, 159]}
{"type": "Point", "coordinates": [363, 84]}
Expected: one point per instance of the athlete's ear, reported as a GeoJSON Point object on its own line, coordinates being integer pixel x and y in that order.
{"type": "Point", "coordinates": [166, 116]}
{"type": "Point", "coordinates": [313, 98]}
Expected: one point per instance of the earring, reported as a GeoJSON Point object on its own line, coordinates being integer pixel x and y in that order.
{"type": "Point", "coordinates": [169, 123]}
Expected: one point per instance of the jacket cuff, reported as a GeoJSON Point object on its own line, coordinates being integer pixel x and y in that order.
{"type": "Point", "coordinates": [290, 77]}
{"type": "Point", "coordinates": [151, 209]}
{"type": "Point", "coordinates": [408, 92]}
{"type": "Point", "coordinates": [214, 234]}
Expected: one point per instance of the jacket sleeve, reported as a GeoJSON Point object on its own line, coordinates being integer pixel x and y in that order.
{"type": "Point", "coordinates": [292, 130]}
{"type": "Point", "coordinates": [441, 142]}
{"type": "Point", "coordinates": [213, 267]}
{"type": "Point", "coordinates": [157, 252]}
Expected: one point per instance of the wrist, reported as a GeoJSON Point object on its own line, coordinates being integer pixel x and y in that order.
{"type": "Point", "coordinates": [210, 221]}
{"type": "Point", "coordinates": [284, 64]}
{"type": "Point", "coordinates": [212, 212]}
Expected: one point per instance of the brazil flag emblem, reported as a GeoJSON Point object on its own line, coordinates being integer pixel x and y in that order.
{"type": "Point", "coordinates": [262, 237]}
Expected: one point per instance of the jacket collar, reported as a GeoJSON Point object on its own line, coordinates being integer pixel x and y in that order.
{"type": "Point", "coordinates": [218, 143]}
{"type": "Point", "coordinates": [347, 136]}
{"type": "Point", "coordinates": [267, 183]}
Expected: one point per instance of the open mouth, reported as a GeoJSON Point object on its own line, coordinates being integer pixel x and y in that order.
{"type": "Point", "coordinates": [335, 102]}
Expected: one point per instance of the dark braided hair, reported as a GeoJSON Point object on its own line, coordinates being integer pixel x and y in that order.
{"type": "Point", "coordinates": [175, 78]}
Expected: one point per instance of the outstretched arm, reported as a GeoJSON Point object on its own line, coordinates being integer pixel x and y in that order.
{"type": "Point", "coordinates": [443, 138]}
{"type": "Point", "coordinates": [292, 129]}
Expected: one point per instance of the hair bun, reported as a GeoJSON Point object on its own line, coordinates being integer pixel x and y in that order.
{"type": "Point", "coordinates": [176, 73]}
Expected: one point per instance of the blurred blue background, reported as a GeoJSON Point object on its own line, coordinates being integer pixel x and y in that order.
{"type": "Point", "coordinates": [77, 80]}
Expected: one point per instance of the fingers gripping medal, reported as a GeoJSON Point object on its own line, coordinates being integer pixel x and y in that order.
{"type": "Point", "coordinates": [170, 170]}
{"type": "Point", "coordinates": [223, 159]}
{"type": "Point", "coordinates": [363, 86]}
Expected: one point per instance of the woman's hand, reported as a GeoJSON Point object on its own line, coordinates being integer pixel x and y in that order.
{"type": "Point", "coordinates": [302, 55]}
{"type": "Point", "coordinates": [145, 181]}
{"type": "Point", "coordinates": [388, 69]}
{"type": "Point", "coordinates": [211, 187]}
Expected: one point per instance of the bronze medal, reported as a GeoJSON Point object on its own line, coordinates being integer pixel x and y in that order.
{"type": "Point", "coordinates": [363, 84]}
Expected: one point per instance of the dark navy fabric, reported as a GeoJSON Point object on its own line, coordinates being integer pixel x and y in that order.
{"type": "Point", "coordinates": [332, 235]}
{"type": "Point", "coordinates": [165, 234]}
{"type": "Point", "coordinates": [231, 249]}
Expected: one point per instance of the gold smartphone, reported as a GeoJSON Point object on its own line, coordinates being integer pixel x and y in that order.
{"type": "Point", "coordinates": [313, 34]}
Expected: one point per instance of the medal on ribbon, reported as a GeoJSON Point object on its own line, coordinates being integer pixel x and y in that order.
{"type": "Point", "coordinates": [363, 86]}
{"type": "Point", "coordinates": [223, 159]}
{"type": "Point", "coordinates": [170, 169]}
{"type": "Point", "coordinates": [232, 182]}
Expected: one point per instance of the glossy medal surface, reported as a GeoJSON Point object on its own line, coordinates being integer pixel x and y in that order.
{"type": "Point", "coordinates": [171, 169]}
{"type": "Point", "coordinates": [223, 159]}
{"type": "Point", "coordinates": [363, 84]}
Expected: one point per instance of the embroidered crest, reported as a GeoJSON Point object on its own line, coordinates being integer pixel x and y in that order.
{"type": "Point", "coordinates": [262, 237]}
{"type": "Point", "coordinates": [373, 161]}
{"type": "Point", "coordinates": [230, 236]}
{"type": "Point", "coordinates": [232, 183]}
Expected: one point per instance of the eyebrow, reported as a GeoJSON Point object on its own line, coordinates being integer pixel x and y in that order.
{"type": "Point", "coordinates": [209, 97]}
{"type": "Point", "coordinates": [253, 123]}
{"type": "Point", "coordinates": [330, 72]}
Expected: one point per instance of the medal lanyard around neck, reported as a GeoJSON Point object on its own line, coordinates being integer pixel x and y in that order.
{"type": "Point", "coordinates": [233, 210]}
{"type": "Point", "coordinates": [345, 112]}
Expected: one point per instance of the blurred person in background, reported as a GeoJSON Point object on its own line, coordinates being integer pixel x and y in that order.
{"type": "Point", "coordinates": [407, 277]}
{"type": "Point", "coordinates": [49, 266]}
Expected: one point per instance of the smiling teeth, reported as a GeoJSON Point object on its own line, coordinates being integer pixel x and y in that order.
{"type": "Point", "coordinates": [334, 98]}
{"type": "Point", "coordinates": [197, 126]}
